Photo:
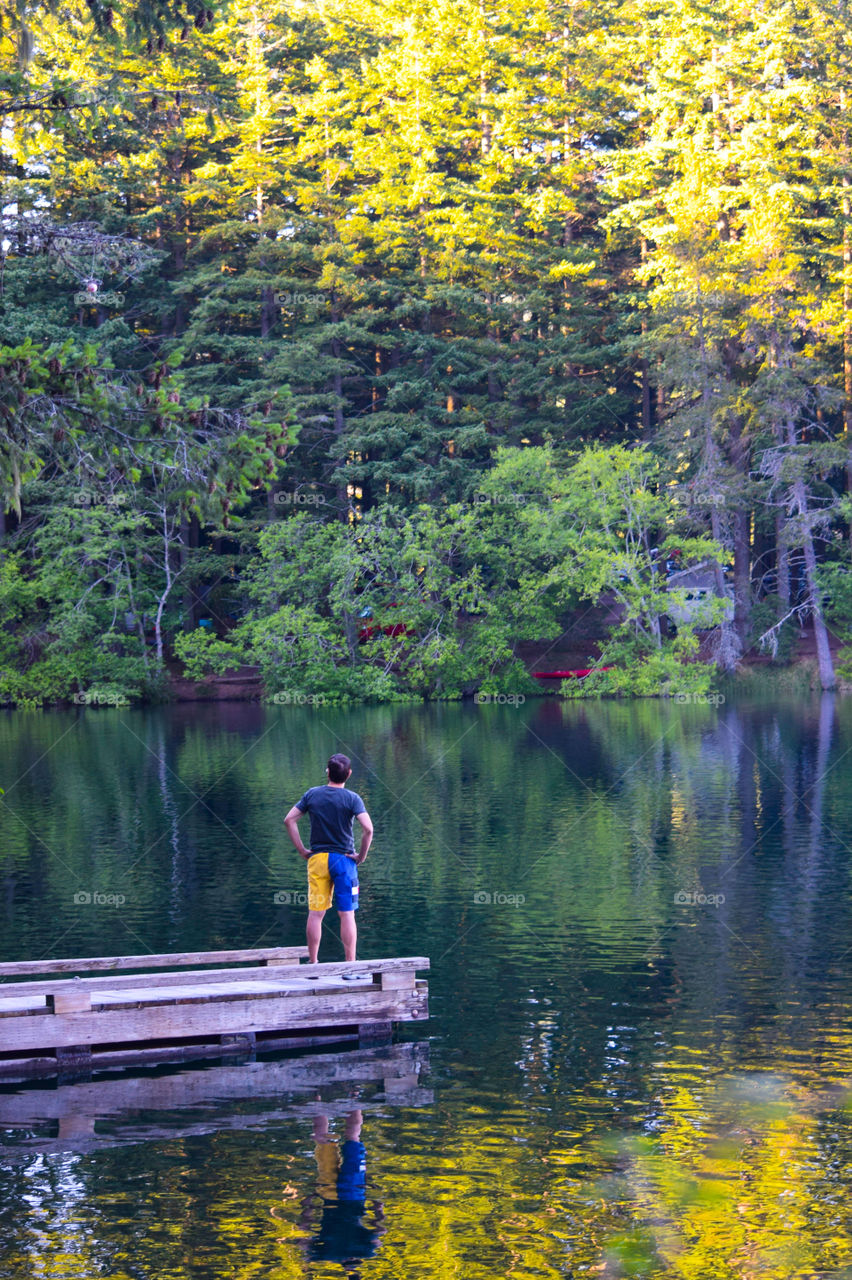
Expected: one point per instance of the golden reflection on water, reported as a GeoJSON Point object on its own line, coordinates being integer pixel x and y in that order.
{"type": "Point", "coordinates": [716, 1174]}
{"type": "Point", "coordinates": [623, 1086]}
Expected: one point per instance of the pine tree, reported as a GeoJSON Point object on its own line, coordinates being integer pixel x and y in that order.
{"type": "Point", "coordinates": [729, 111]}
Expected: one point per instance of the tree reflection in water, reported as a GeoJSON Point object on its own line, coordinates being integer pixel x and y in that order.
{"type": "Point", "coordinates": [626, 1084]}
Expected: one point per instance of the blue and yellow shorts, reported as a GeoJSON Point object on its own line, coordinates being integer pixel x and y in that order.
{"type": "Point", "coordinates": [332, 871]}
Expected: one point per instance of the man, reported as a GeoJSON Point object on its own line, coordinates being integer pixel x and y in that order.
{"type": "Point", "coordinates": [332, 860]}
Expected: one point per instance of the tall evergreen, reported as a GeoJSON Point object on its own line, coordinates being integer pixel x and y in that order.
{"type": "Point", "coordinates": [377, 244]}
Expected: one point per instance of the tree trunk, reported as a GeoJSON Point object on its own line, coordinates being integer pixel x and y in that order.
{"type": "Point", "coordinates": [824, 658]}
{"type": "Point", "coordinates": [268, 311]}
{"type": "Point", "coordinates": [742, 575]}
{"type": "Point", "coordinates": [644, 367]}
{"type": "Point", "coordinates": [188, 539]}
{"type": "Point", "coordinates": [782, 562]}
{"type": "Point", "coordinates": [138, 620]}
{"type": "Point", "coordinates": [729, 649]}
{"type": "Point", "coordinates": [343, 502]}
{"type": "Point", "coordinates": [179, 314]}
{"type": "Point", "coordinates": [168, 554]}
{"type": "Point", "coordinates": [799, 495]}
{"type": "Point", "coordinates": [846, 208]}
{"type": "Point", "coordinates": [741, 461]}
{"type": "Point", "coordinates": [645, 374]}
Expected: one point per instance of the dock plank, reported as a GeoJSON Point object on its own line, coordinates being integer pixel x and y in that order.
{"type": "Point", "coordinates": [267, 1012]}
{"type": "Point", "coordinates": [160, 978]}
{"type": "Point", "coordinates": [173, 959]}
{"type": "Point", "coordinates": [189, 993]}
{"type": "Point", "coordinates": [265, 972]}
{"type": "Point", "coordinates": [390, 965]}
{"type": "Point", "coordinates": [185, 993]}
{"type": "Point", "coordinates": [21, 1004]}
{"type": "Point", "coordinates": [30, 997]}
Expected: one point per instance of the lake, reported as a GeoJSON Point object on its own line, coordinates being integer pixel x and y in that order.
{"type": "Point", "coordinates": [639, 917]}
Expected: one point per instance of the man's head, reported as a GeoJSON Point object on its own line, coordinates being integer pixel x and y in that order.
{"type": "Point", "coordinates": [339, 768]}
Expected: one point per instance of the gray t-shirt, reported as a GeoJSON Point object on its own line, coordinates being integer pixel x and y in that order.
{"type": "Point", "coordinates": [332, 810]}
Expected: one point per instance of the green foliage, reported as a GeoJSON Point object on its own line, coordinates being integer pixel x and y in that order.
{"type": "Point", "coordinates": [766, 615]}
{"type": "Point", "coordinates": [503, 291]}
{"type": "Point", "coordinates": [64, 408]}
{"type": "Point", "coordinates": [202, 654]}
{"type": "Point", "coordinates": [64, 599]}
{"type": "Point", "coordinates": [771, 682]}
{"type": "Point", "coordinates": [434, 603]}
{"type": "Point", "coordinates": [393, 607]}
{"type": "Point", "coordinates": [597, 527]}
{"type": "Point", "coordinates": [643, 671]}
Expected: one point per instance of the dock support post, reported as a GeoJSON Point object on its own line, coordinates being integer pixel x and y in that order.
{"type": "Point", "coordinates": [375, 1030]}
{"type": "Point", "coordinates": [76, 1126]}
{"type": "Point", "coordinates": [398, 981]}
{"type": "Point", "coordinates": [69, 1001]}
{"type": "Point", "coordinates": [73, 1061]}
{"type": "Point", "coordinates": [246, 1040]}
{"type": "Point", "coordinates": [400, 1084]}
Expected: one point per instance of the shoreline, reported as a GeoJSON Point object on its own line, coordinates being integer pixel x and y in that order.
{"type": "Point", "coordinates": [799, 676]}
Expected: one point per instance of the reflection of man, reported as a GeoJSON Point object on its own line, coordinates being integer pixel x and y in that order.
{"type": "Point", "coordinates": [342, 1191]}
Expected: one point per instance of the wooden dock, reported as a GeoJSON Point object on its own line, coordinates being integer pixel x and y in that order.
{"type": "Point", "coordinates": [122, 1108]}
{"type": "Point", "coordinates": [82, 1014]}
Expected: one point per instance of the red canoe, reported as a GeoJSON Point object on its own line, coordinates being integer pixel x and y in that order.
{"type": "Point", "coordinates": [568, 675]}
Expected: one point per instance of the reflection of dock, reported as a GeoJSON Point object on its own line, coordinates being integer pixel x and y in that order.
{"type": "Point", "coordinates": [52, 1022]}
{"type": "Point", "coordinates": [187, 1103]}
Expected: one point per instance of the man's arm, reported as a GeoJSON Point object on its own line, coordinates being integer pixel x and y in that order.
{"type": "Point", "coordinates": [366, 837]}
{"type": "Point", "coordinates": [291, 822]}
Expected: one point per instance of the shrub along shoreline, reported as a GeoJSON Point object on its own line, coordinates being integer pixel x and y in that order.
{"type": "Point", "coordinates": [399, 605]}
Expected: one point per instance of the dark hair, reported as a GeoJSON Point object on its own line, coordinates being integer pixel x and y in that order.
{"type": "Point", "coordinates": [339, 768]}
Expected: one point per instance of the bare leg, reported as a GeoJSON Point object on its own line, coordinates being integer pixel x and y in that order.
{"type": "Point", "coordinates": [314, 933]}
{"type": "Point", "coordinates": [353, 1126]}
{"type": "Point", "coordinates": [348, 934]}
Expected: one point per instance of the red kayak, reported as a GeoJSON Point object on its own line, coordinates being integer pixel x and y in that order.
{"type": "Point", "coordinates": [568, 675]}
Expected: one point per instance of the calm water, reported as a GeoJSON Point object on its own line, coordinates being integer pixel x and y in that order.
{"type": "Point", "coordinates": [640, 1035]}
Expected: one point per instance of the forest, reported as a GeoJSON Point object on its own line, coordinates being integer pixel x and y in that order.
{"type": "Point", "coordinates": [363, 343]}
